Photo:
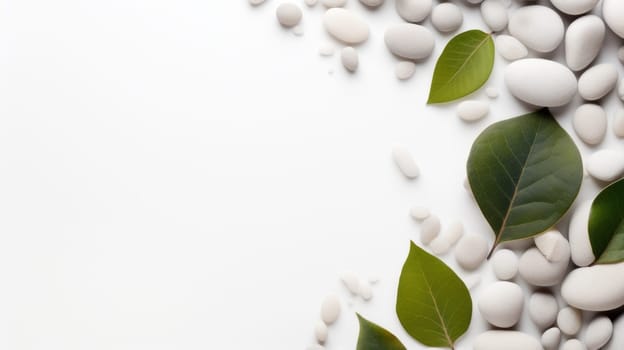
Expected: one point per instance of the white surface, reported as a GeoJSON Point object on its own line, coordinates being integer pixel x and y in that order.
{"type": "Point", "coordinates": [187, 175]}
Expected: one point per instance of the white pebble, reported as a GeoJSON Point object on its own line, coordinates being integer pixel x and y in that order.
{"type": "Point", "coordinates": [320, 332]}
{"type": "Point", "coordinates": [419, 213]}
{"type": "Point", "coordinates": [288, 14]}
{"type": "Point", "coordinates": [411, 41]}
{"type": "Point", "coordinates": [569, 321]}
{"type": "Point", "coordinates": [366, 290]}
{"type": "Point", "coordinates": [538, 27]}
{"type": "Point", "coordinates": [345, 26]}
{"type": "Point", "coordinates": [574, 7]}
{"type": "Point", "coordinates": [573, 344]}
{"type": "Point", "coordinates": [471, 251]}
{"type": "Point", "coordinates": [447, 17]}
{"type": "Point", "coordinates": [505, 264]}
{"type": "Point", "coordinates": [414, 10]}
{"type": "Point", "coordinates": [440, 245]}
{"type": "Point", "coordinates": [508, 340]}
{"type": "Point", "coordinates": [404, 70]}
{"type": "Point", "coordinates": [429, 229]}
{"type": "Point", "coordinates": [405, 161]}
{"type": "Point", "coordinates": [618, 122]}
{"type": "Point", "coordinates": [590, 123]}
{"type": "Point", "coordinates": [606, 165]}
{"type": "Point", "coordinates": [551, 339]}
{"type": "Point", "coordinates": [491, 92]}
{"type": "Point", "coordinates": [333, 3]}
{"type": "Point", "coordinates": [583, 41]}
{"type": "Point", "coordinates": [298, 30]}
{"type": "Point", "coordinates": [454, 232]}
{"type": "Point", "coordinates": [598, 333]}
{"type": "Point", "coordinates": [543, 309]}
{"type": "Point", "coordinates": [349, 58]}
{"type": "Point", "coordinates": [494, 14]}
{"type": "Point", "coordinates": [327, 49]}
{"type": "Point", "coordinates": [580, 246]}
{"type": "Point", "coordinates": [351, 281]}
{"type": "Point", "coordinates": [553, 245]}
{"type": "Point", "coordinates": [538, 271]}
{"type": "Point", "coordinates": [597, 81]}
{"type": "Point", "coordinates": [596, 288]}
{"type": "Point", "coordinates": [501, 304]}
{"type": "Point", "coordinates": [472, 110]}
{"type": "Point", "coordinates": [617, 340]}
{"type": "Point", "coordinates": [613, 13]}
{"type": "Point", "coordinates": [330, 309]}
{"type": "Point", "coordinates": [541, 82]}
{"type": "Point", "coordinates": [510, 48]}
{"type": "Point", "coordinates": [372, 3]}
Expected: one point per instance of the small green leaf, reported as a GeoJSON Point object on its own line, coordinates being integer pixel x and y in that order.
{"type": "Point", "coordinates": [606, 224]}
{"type": "Point", "coordinates": [464, 66]}
{"type": "Point", "coordinates": [525, 173]}
{"type": "Point", "coordinates": [433, 304]}
{"type": "Point", "coordinates": [373, 337]}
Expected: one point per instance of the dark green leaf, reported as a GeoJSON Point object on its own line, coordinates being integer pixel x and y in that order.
{"type": "Point", "coordinates": [525, 173]}
{"type": "Point", "coordinates": [606, 224]}
{"type": "Point", "coordinates": [433, 304]}
{"type": "Point", "coordinates": [464, 66]}
{"type": "Point", "coordinates": [373, 337]}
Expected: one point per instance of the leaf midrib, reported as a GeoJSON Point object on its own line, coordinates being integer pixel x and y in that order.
{"type": "Point", "coordinates": [437, 310]}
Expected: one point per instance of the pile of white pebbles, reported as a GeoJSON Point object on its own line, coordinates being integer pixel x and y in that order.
{"type": "Point", "coordinates": [570, 294]}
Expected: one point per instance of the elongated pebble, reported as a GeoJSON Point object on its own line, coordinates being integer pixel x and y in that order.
{"type": "Point", "coordinates": [618, 122]}
{"type": "Point", "coordinates": [320, 332]}
{"type": "Point", "coordinates": [411, 41]}
{"type": "Point", "coordinates": [472, 110]}
{"type": "Point", "coordinates": [404, 70]}
{"type": "Point", "coordinates": [538, 27]}
{"type": "Point", "coordinates": [541, 82]}
{"type": "Point", "coordinates": [501, 304]}
{"type": "Point", "coordinates": [583, 41]}
{"type": "Point", "coordinates": [494, 14]}
{"type": "Point", "coordinates": [553, 245]}
{"type": "Point", "coordinates": [574, 7]}
{"type": "Point", "coordinates": [580, 246]}
{"type": "Point", "coordinates": [288, 14]}
{"type": "Point", "coordinates": [372, 3]}
{"type": "Point", "coordinates": [471, 251]}
{"type": "Point", "coordinates": [333, 3]}
{"type": "Point", "coordinates": [419, 213]}
{"type": "Point", "coordinates": [504, 264]}
{"type": "Point", "coordinates": [569, 321]}
{"type": "Point", "coordinates": [598, 333]}
{"type": "Point", "coordinates": [606, 165]}
{"type": "Point", "coordinates": [350, 59]}
{"type": "Point", "coordinates": [590, 123]}
{"type": "Point", "coordinates": [551, 339]}
{"type": "Point", "coordinates": [535, 269]}
{"type": "Point", "coordinates": [491, 92]}
{"type": "Point", "coordinates": [430, 229]}
{"type": "Point", "coordinates": [454, 232]}
{"type": "Point", "coordinates": [597, 81]}
{"type": "Point", "coordinates": [617, 340]}
{"type": "Point", "coordinates": [543, 309]}
{"type": "Point", "coordinates": [414, 10]}
{"type": "Point", "coordinates": [447, 17]}
{"type": "Point", "coordinates": [573, 344]}
{"type": "Point", "coordinates": [405, 161]}
{"type": "Point", "coordinates": [345, 26]}
{"type": "Point", "coordinates": [351, 281]}
{"type": "Point", "coordinates": [330, 309]}
{"type": "Point", "coordinates": [598, 287]}
{"type": "Point", "coordinates": [508, 340]}
{"type": "Point", "coordinates": [613, 13]}
{"type": "Point", "coordinates": [510, 48]}
{"type": "Point", "coordinates": [366, 290]}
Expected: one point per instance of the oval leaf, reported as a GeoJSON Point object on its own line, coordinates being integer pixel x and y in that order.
{"type": "Point", "coordinates": [606, 224]}
{"type": "Point", "coordinates": [373, 337]}
{"type": "Point", "coordinates": [433, 304]}
{"type": "Point", "coordinates": [525, 173]}
{"type": "Point", "coordinates": [464, 66]}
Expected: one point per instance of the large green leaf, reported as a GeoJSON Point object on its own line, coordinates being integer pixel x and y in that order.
{"type": "Point", "coordinates": [373, 337]}
{"type": "Point", "coordinates": [606, 224]}
{"type": "Point", "coordinates": [464, 66]}
{"type": "Point", "coordinates": [433, 304]}
{"type": "Point", "coordinates": [525, 173]}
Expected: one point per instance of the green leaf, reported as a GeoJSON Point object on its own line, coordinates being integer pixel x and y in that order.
{"type": "Point", "coordinates": [433, 304]}
{"type": "Point", "coordinates": [373, 337]}
{"type": "Point", "coordinates": [525, 173]}
{"type": "Point", "coordinates": [606, 224]}
{"type": "Point", "coordinates": [464, 66]}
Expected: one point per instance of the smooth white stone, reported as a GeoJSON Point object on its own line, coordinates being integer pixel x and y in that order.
{"type": "Point", "coordinates": [536, 270]}
{"type": "Point", "coordinates": [330, 309]}
{"type": "Point", "coordinates": [404, 70]}
{"type": "Point", "coordinates": [508, 340]}
{"type": "Point", "coordinates": [447, 17]}
{"type": "Point", "coordinates": [430, 229]}
{"type": "Point", "coordinates": [590, 123]}
{"type": "Point", "coordinates": [440, 245]}
{"type": "Point", "coordinates": [505, 264]}
{"type": "Point", "coordinates": [543, 309]}
{"type": "Point", "coordinates": [414, 10]}
{"type": "Point", "coordinates": [580, 246]}
{"type": "Point", "coordinates": [598, 333]}
{"type": "Point", "coordinates": [538, 27]}
{"type": "Point", "coordinates": [618, 122]}
{"type": "Point", "coordinates": [471, 251]}
{"type": "Point", "coordinates": [372, 3]}
{"type": "Point", "coordinates": [606, 165]}
{"type": "Point", "coordinates": [510, 48]}
{"type": "Point", "coordinates": [613, 14]}
{"type": "Point", "coordinates": [573, 344]}
{"type": "Point", "coordinates": [518, 245]}
{"type": "Point", "coordinates": [411, 41]}
{"type": "Point", "coordinates": [595, 288]}
{"type": "Point", "coordinates": [320, 332]}
{"type": "Point", "coordinates": [569, 321]}
{"type": "Point", "coordinates": [472, 110]}
{"type": "Point", "coordinates": [345, 26]}
{"type": "Point", "coordinates": [298, 30]}
{"type": "Point", "coordinates": [583, 41]}
{"type": "Point", "coordinates": [288, 14]}
{"type": "Point", "coordinates": [454, 232]}
{"type": "Point", "coordinates": [617, 340]}
{"type": "Point", "coordinates": [551, 339]}
{"type": "Point", "coordinates": [333, 3]}
{"type": "Point", "coordinates": [553, 245]}
{"type": "Point", "coordinates": [349, 58]}
{"type": "Point", "coordinates": [351, 281]}
{"type": "Point", "coordinates": [574, 7]}
{"type": "Point", "coordinates": [256, 2]}
{"type": "Point", "coordinates": [597, 81]}
{"type": "Point", "coordinates": [405, 161]}
{"type": "Point", "coordinates": [491, 92]}
{"type": "Point", "coordinates": [541, 82]}
{"type": "Point", "coordinates": [419, 213]}
{"type": "Point", "coordinates": [366, 290]}
{"type": "Point", "coordinates": [494, 14]}
{"type": "Point", "coordinates": [501, 304]}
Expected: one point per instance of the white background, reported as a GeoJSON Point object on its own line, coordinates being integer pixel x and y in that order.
{"type": "Point", "coordinates": [189, 175]}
